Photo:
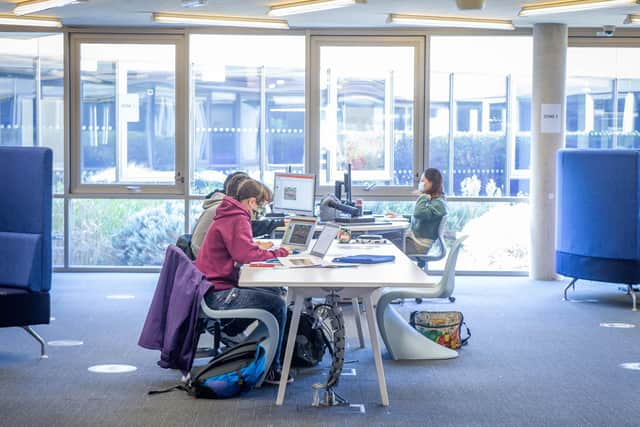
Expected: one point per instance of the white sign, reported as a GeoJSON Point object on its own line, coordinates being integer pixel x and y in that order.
{"type": "Point", "coordinates": [550, 118]}
{"type": "Point", "coordinates": [130, 107]}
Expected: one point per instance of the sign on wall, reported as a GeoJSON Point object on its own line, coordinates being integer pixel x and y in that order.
{"type": "Point", "coordinates": [550, 118]}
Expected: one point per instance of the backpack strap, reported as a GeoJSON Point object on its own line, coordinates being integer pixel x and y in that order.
{"type": "Point", "coordinates": [465, 340]}
{"type": "Point", "coordinates": [168, 389]}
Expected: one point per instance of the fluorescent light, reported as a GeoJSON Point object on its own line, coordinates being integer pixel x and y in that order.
{"type": "Point", "coordinates": [632, 19]}
{"type": "Point", "coordinates": [27, 7]}
{"type": "Point", "coordinates": [227, 21]}
{"type": "Point", "coordinates": [450, 21]}
{"type": "Point", "coordinates": [32, 21]}
{"type": "Point", "coordinates": [306, 6]}
{"type": "Point", "coordinates": [551, 7]}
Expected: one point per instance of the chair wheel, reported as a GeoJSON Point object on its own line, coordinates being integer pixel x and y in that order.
{"type": "Point", "coordinates": [418, 300]}
{"type": "Point", "coordinates": [452, 299]}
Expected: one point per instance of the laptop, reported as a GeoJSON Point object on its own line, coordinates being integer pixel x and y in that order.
{"type": "Point", "coordinates": [319, 250]}
{"type": "Point", "coordinates": [299, 233]}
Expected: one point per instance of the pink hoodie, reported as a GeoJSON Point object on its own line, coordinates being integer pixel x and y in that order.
{"type": "Point", "coordinates": [228, 244]}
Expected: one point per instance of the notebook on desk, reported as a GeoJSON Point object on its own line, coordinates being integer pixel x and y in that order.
{"type": "Point", "coordinates": [318, 252]}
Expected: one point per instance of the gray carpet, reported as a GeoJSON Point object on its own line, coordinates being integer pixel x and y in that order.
{"type": "Point", "coordinates": [532, 360]}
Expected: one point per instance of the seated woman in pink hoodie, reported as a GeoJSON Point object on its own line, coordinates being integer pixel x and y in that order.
{"type": "Point", "coordinates": [228, 244]}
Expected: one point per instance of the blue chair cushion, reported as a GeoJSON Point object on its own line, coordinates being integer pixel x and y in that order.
{"type": "Point", "coordinates": [19, 307]}
{"type": "Point", "coordinates": [20, 261]}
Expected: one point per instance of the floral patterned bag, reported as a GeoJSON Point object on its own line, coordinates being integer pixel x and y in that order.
{"type": "Point", "coordinates": [443, 327]}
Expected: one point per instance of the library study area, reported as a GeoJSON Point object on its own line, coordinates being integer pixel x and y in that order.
{"type": "Point", "coordinates": [319, 212]}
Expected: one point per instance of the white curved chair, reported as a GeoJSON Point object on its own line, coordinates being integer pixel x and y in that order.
{"type": "Point", "coordinates": [402, 341]}
{"type": "Point", "coordinates": [267, 329]}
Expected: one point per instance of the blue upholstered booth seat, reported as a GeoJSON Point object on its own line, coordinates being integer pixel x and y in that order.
{"type": "Point", "coordinates": [25, 235]}
{"type": "Point", "coordinates": [598, 231]}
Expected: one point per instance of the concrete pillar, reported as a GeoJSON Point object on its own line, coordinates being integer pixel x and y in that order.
{"type": "Point", "coordinates": [547, 136]}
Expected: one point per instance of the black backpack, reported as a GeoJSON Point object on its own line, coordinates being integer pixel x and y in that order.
{"type": "Point", "coordinates": [234, 371]}
{"type": "Point", "coordinates": [310, 341]}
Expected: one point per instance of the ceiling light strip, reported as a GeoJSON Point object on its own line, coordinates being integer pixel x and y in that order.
{"type": "Point", "coordinates": [27, 7]}
{"type": "Point", "coordinates": [551, 7]}
{"type": "Point", "coordinates": [32, 21]}
{"type": "Point", "coordinates": [306, 6]}
{"type": "Point", "coordinates": [225, 21]}
{"type": "Point", "coordinates": [450, 21]}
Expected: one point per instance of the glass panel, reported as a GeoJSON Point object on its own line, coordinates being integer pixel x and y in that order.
{"type": "Point", "coordinates": [366, 113]}
{"type": "Point", "coordinates": [603, 89]}
{"type": "Point", "coordinates": [128, 113]}
{"type": "Point", "coordinates": [57, 238]}
{"type": "Point", "coordinates": [248, 107]}
{"type": "Point", "coordinates": [31, 95]}
{"type": "Point", "coordinates": [439, 123]}
{"type": "Point", "coordinates": [481, 130]}
{"type": "Point", "coordinates": [628, 112]}
{"type": "Point", "coordinates": [498, 236]}
{"type": "Point", "coordinates": [115, 232]}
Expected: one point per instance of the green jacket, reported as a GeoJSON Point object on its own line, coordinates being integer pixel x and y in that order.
{"type": "Point", "coordinates": [427, 215]}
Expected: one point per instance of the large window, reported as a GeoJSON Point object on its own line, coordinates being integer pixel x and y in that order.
{"type": "Point", "coordinates": [368, 96]}
{"type": "Point", "coordinates": [603, 97]}
{"type": "Point", "coordinates": [480, 103]}
{"type": "Point", "coordinates": [126, 100]}
{"type": "Point", "coordinates": [247, 107]}
{"type": "Point", "coordinates": [32, 95]}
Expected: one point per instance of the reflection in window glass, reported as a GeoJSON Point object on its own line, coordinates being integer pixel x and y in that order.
{"type": "Point", "coordinates": [127, 113]}
{"type": "Point", "coordinates": [31, 95]}
{"type": "Point", "coordinates": [603, 97]}
{"type": "Point", "coordinates": [366, 113]}
{"type": "Point", "coordinates": [116, 232]}
{"type": "Point", "coordinates": [247, 107]}
{"type": "Point", "coordinates": [57, 229]}
{"type": "Point", "coordinates": [488, 75]}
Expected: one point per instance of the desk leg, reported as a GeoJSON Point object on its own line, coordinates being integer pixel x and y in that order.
{"type": "Point", "coordinates": [291, 342]}
{"type": "Point", "coordinates": [375, 347]}
{"type": "Point", "coordinates": [356, 313]}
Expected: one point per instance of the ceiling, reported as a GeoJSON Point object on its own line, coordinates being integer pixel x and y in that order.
{"type": "Point", "coordinates": [372, 14]}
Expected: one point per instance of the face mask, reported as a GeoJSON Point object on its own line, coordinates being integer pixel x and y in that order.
{"type": "Point", "coordinates": [421, 187]}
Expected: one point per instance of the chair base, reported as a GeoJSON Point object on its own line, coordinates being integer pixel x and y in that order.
{"type": "Point", "coordinates": [405, 343]}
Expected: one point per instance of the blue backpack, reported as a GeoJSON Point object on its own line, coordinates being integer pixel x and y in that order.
{"type": "Point", "coordinates": [229, 374]}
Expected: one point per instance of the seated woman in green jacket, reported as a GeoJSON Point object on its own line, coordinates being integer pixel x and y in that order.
{"type": "Point", "coordinates": [427, 213]}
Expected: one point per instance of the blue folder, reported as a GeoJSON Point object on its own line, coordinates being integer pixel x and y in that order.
{"type": "Point", "coordinates": [364, 259]}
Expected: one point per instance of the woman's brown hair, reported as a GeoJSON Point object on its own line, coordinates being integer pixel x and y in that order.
{"type": "Point", "coordinates": [252, 188]}
{"type": "Point", "coordinates": [435, 178]}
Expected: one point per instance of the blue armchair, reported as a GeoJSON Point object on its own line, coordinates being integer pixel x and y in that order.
{"type": "Point", "coordinates": [25, 237]}
{"type": "Point", "coordinates": [598, 233]}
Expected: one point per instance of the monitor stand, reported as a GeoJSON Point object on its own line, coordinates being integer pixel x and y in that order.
{"type": "Point", "coordinates": [355, 220]}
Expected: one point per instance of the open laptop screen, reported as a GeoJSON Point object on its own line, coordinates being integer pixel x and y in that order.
{"type": "Point", "coordinates": [329, 233]}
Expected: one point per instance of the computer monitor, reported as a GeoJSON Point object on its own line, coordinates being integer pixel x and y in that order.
{"type": "Point", "coordinates": [294, 194]}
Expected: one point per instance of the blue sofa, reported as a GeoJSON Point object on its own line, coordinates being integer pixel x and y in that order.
{"type": "Point", "coordinates": [25, 237]}
{"type": "Point", "coordinates": [598, 228]}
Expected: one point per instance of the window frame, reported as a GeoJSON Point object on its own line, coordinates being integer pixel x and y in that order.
{"type": "Point", "coordinates": [181, 113]}
{"type": "Point", "coordinates": [419, 43]}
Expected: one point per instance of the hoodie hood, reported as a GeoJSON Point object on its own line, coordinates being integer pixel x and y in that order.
{"type": "Point", "coordinates": [230, 207]}
{"type": "Point", "coordinates": [215, 199]}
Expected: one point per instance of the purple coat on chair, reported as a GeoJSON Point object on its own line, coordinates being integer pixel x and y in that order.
{"type": "Point", "coordinates": [171, 321]}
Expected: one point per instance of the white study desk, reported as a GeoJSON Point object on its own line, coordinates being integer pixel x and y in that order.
{"type": "Point", "coordinates": [361, 281]}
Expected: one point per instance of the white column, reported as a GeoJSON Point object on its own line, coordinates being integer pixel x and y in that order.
{"type": "Point", "coordinates": [547, 134]}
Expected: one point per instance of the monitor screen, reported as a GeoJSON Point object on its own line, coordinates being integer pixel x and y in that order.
{"type": "Point", "coordinates": [294, 193]}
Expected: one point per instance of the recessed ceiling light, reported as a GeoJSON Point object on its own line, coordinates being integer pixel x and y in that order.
{"type": "Point", "coordinates": [450, 21]}
{"type": "Point", "coordinates": [306, 6]}
{"type": "Point", "coordinates": [31, 21]}
{"type": "Point", "coordinates": [550, 7]}
{"type": "Point", "coordinates": [225, 21]}
{"type": "Point", "coordinates": [27, 7]}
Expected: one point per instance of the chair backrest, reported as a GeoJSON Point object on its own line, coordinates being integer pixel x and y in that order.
{"type": "Point", "coordinates": [25, 217]}
{"type": "Point", "coordinates": [439, 243]}
{"type": "Point", "coordinates": [448, 281]}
